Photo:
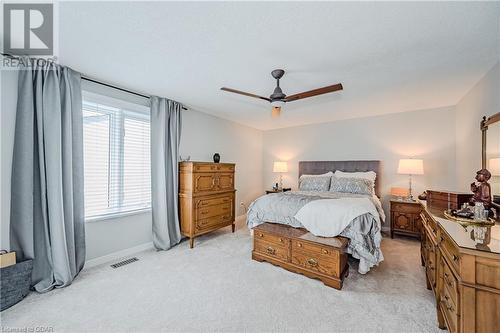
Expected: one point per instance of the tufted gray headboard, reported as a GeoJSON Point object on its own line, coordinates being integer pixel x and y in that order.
{"type": "Point", "coordinates": [319, 167]}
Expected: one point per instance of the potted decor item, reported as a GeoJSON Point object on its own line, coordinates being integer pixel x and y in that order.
{"type": "Point", "coordinates": [216, 158]}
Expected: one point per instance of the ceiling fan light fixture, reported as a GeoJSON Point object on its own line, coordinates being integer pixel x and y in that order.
{"type": "Point", "coordinates": [276, 111]}
{"type": "Point", "coordinates": [277, 103]}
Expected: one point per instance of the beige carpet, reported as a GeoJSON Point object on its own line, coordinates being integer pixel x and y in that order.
{"type": "Point", "coordinates": [217, 287]}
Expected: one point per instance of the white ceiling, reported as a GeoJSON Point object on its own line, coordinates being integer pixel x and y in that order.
{"type": "Point", "coordinates": [390, 57]}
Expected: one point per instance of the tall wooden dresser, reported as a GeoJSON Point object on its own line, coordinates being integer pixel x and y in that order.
{"type": "Point", "coordinates": [206, 197]}
{"type": "Point", "coordinates": [462, 265]}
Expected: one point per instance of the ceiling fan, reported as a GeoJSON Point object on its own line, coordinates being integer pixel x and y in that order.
{"type": "Point", "coordinates": [278, 98]}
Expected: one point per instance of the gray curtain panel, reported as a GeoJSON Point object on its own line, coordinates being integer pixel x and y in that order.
{"type": "Point", "coordinates": [47, 207]}
{"type": "Point", "coordinates": [165, 138]}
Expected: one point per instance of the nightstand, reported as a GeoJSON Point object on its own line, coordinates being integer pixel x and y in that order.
{"type": "Point", "coordinates": [405, 218]}
{"type": "Point", "coordinates": [278, 191]}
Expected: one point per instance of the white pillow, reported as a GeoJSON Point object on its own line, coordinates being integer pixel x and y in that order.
{"type": "Point", "coordinates": [370, 175]}
{"type": "Point", "coordinates": [328, 174]}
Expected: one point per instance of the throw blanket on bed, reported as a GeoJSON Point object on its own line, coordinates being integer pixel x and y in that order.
{"type": "Point", "coordinates": [359, 220]}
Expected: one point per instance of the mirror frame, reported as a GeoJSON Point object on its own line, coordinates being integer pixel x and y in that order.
{"type": "Point", "coordinates": [485, 122]}
{"type": "Point", "coordinates": [484, 128]}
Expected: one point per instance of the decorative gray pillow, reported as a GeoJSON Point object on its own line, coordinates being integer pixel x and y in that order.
{"type": "Point", "coordinates": [352, 185]}
{"type": "Point", "coordinates": [314, 183]}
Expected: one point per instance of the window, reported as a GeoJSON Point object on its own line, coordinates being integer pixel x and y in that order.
{"type": "Point", "coordinates": [116, 157]}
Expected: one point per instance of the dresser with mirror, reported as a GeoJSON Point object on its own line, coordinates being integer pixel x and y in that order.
{"type": "Point", "coordinates": [462, 260]}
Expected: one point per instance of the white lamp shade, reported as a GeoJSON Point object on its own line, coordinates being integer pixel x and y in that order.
{"type": "Point", "coordinates": [280, 167]}
{"type": "Point", "coordinates": [494, 166]}
{"type": "Point", "coordinates": [411, 166]}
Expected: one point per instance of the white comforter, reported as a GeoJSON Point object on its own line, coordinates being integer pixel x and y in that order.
{"type": "Point", "coordinates": [338, 212]}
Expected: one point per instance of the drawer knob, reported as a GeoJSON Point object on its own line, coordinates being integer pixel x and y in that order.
{"type": "Point", "coordinates": [455, 258]}
{"type": "Point", "coordinates": [261, 235]}
{"type": "Point", "coordinates": [281, 240]}
{"type": "Point", "coordinates": [312, 262]}
{"type": "Point", "coordinates": [325, 251]}
{"type": "Point", "coordinates": [270, 250]}
{"type": "Point", "coordinates": [299, 244]}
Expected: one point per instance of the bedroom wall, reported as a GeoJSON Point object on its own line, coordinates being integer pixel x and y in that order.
{"type": "Point", "coordinates": [482, 100]}
{"type": "Point", "coordinates": [202, 135]}
{"type": "Point", "coordinates": [426, 134]}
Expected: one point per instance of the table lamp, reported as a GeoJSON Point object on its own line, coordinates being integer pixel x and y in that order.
{"type": "Point", "coordinates": [280, 167]}
{"type": "Point", "coordinates": [410, 166]}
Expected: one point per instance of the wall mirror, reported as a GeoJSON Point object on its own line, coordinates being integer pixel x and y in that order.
{"type": "Point", "coordinates": [490, 128]}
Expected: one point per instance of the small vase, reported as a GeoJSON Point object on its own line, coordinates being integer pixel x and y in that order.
{"type": "Point", "coordinates": [216, 158]}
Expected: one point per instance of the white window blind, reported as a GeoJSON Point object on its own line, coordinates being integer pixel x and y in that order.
{"type": "Point", "coordinates": [116, 158]}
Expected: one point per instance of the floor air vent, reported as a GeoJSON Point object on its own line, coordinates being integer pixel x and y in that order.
{"type": "Point", "coordinates": [124, 262]}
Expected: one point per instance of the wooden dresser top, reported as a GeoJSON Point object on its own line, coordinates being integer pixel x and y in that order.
{"type": "Point", "coordinates": [463, 235]}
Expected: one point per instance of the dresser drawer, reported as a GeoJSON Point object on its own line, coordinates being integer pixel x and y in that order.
{"type": "Point", "coordinates": [429, 223]}
{"type": "Point", "coordinates": [405, 208]}
{"type": "Point", "coordinates": [214, 201]}
{"type": "Point", "coordinates": [324, 252]}
{"type": "Point", "coordinates": [210, 211]}
{"type": "Point", "coordinates": [431, 267]}
{"type": "Point", "coordinates": [204, 182]}
{"type": "Point", "coordinates": [271, 238]}
{"type": "Point", "coordinates": [212, 222]}
{"type": "Point", "coordinates": [315, 263]}
{"type": "Point", "coordinates": [450, 310]}
{"type": "Point", "coordinates": [450, 251]}
{"type": "Point", "coordinates": [450, 283]}
{"type": "Point", "coordinates": [213, 167]}
{"type": "Point", "coordinates": [273, 250]}
{"type": "Point", "coordinates": [225, 181]}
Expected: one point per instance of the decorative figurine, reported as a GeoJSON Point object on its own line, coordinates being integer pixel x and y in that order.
{"type": "Point", "coordinates": [423, 196]}
{"type": "Point", "coordinates": [216, 158]}
{"type": "Point", "coordinates": [482, 191]}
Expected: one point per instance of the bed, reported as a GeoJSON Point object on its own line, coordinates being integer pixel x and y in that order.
{"type": "Point", "coordinates": [326, 213]}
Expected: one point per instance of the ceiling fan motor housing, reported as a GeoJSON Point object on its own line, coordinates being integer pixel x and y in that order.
{"type": "Point", "coordinates": [277, 94]}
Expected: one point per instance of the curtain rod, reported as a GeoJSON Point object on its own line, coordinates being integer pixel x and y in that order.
{"type": "Point", "coordinates": [85, 77]}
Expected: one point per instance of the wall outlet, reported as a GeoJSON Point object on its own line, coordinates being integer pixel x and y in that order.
{"type": "Point", "coordinates": [242, 204]}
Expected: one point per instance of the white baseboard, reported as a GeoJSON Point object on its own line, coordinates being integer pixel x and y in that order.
{"type": "Point", "coordinates": [118, 255]}
{"type": "Point", "coordinates": [136, 249]}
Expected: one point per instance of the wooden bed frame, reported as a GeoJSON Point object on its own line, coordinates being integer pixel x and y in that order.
{"type": "Point", "coordinates": [297, 250]}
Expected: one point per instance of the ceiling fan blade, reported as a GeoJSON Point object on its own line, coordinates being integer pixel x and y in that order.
{"type": "Point", "coordinates": [315, 92]}
{"type": "Point", "coordinates": [244, 93]}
